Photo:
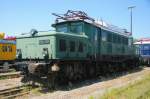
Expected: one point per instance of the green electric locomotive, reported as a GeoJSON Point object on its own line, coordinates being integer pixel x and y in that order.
{"type": "Point", "coordinates": [79, 48]}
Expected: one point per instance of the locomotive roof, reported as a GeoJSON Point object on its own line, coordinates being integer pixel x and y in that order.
{"type": "Point", "coordinates": [49, 33]}
{"type": "Point", "coordinates": [111, 28]}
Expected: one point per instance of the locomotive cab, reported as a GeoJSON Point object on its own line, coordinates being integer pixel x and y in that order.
{"type": "Point", "coordinates": [75, 27]}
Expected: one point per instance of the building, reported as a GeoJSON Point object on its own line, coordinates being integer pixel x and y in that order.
{"type": "Point", "coordinates": [143, 49]}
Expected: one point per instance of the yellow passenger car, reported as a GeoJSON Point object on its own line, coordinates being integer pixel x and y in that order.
{"type": "Point", "coordinates": [7, 50]}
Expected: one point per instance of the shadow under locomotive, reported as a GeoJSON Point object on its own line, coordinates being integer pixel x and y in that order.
{"type": "Point", "coordinates": [60, 76]}
{"type": "Point", "coordinates": [34, 80]}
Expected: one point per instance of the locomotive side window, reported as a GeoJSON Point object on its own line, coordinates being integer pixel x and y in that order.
{"type": "Point", "coordinates": [80, 47]}
{"type": "Point", "coordinates": [119, 39]}
{"type": "Point", "coordinates": [62, 45]}
{"type": "Point", "coordinates": [72, 46]}
{"type": "Point", "coordinates": [126, 41]}
{"type": "Point", "coordinates": [109, 37]}
{"type": "Point", "coordinates": [104, 36]}
{"type": "Point", "coordinates": [115, 37]}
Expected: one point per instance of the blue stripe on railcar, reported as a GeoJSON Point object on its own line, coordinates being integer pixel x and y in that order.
{"type": "Point", "coordinates": [145, 47]}
{"type": "Point", "coordinates": [7, 42]}
{"type": "Point", "coordinates": [145, 50]}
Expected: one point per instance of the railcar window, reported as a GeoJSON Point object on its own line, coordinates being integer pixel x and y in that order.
{"type": "Point", "coordinates": [62, 45]}
{"type": "Point", "coordinates": [72, 46]}
{"type": "Point", "coordinates": [4, 48]}
{"type": "Point", "coordinates": [9, 49]}
{"type": "Point", "coordinates": [80, 47]}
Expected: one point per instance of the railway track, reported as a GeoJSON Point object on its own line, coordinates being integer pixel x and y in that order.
{"type": "Point", "coordinates": [9, 75]}
{"type": "Point", "coordinates": [14, 92]}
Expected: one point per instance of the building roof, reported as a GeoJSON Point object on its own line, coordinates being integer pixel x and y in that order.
{"type": "Point", "coordinates": [143, 41]}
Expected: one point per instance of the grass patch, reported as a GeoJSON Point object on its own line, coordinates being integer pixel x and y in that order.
{"type": "Point", "coordinates": [3, 77]}
{"type": "Point", "coordinates": [138, 90]}
{"type": "Point", "coordinates": [91, 97]}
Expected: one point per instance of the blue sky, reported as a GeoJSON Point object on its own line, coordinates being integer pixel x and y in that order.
{"type": "Point", "coordinates": [20, 16]}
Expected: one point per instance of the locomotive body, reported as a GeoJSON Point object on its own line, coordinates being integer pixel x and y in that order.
{"type": "Point", "coordinates": [77, 49]}
{"type": "Point", "coordinates": [89, 42]}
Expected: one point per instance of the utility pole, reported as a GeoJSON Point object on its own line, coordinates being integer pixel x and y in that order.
{"type": "Point", "coordinates": [131, 8]}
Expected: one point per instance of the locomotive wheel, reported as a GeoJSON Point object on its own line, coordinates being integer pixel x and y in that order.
{"type": "Point", "coordinates": [91, 71]}
{"type": "Point", "coordinates": [77, 77]}
{"type": "Point", "coordinates": [51, 80]}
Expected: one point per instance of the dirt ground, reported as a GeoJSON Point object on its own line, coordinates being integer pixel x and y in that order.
{"type": "Point", "coordinates": [10, 83]}
{"type": "Point", "coordinates": [89, 89]}
{"type": "Point", "coordinates": [93, 89]}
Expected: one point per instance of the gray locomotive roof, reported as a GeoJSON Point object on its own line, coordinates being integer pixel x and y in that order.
{"type": "Point", "coordinates": [50, 33]}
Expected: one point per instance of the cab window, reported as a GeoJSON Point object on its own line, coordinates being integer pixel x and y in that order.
{"type": "Point", "coordinates": [76, 28]}
{"type": "Point", "coordinates": [104, 36]}
{"type": "Point", "coordinates": [62, 28]}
